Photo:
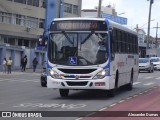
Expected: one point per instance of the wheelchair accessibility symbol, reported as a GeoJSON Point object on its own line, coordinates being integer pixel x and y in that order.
{"type": "Point", "coordinates": [72, 61]}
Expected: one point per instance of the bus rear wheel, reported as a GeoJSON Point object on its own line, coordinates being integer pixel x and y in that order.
{"type": "Point", "coordinates": [129, 86]}
{"type": "Point", "coordinates": [64, 92]}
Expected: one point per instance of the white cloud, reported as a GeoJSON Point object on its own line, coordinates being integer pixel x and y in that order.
{"type": "Point", "coordinates": [135, 10]}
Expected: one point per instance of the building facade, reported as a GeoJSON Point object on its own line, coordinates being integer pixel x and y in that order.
{"type": "Point", "coordinates": [94, 12]}
{"type": "Point", "coordinates": [142, 45]}
{"type": "Point", "coordinates": [21, 23]}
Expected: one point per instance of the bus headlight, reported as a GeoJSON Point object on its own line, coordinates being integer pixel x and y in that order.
{"type": "Point", "coordinates": [54, 74]}
{"type": "Point", "coordinates": [101, 74]}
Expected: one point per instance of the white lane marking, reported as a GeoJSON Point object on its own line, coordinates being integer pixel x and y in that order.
{"type": "Point", "coordinates": [135, 83]}
{"type": "Point", "coordinates": [20, 80]}
{"type": "Point", "coordinates": [12, 80]}
{"type": "Point", "coordinates": [79, 118]}
{"type": "Point", "coordinates": [103, 109]}
{"type": "Point", "coordinates": [90, 114]}
{"type": "Point", "coordinates": [2, 80]}
{"type": "Point", "coordinates": [121, 101]}
{"type": "Point", "coordinates": [5, 79]}
{"type": "Point", "coordinates": [113, 104]}
{"type": "Point", "coordinates": [150, 83]}
{"type": "Point", "coordinates": [129, 98]}
{"type": "Point", "coordinates": [24, 80]}
{"type": "Point", "coordinates": [135, 95]}
{"type": "Point", "coordinates": [157, 78]}
{"type": "Point", "coordinates": [148, 77]}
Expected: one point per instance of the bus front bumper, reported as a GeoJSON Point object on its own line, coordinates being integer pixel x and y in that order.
{"type": "Point", "coordinates": [79, 84]}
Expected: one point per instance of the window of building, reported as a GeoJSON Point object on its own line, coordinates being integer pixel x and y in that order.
{"type": "Point", "coordinates": [4, 38]}
{"type": "Point", "coordinates": [1, 17]}
{"type": "Point", "coordinates": [19, 19]}
{"type": "Point", "coordinates": [11, 40]}
{"type": "Point", "coordinates": [33, 3]}
{"type": "Point", "coordinates": [67, 8]}
{"type": "Point", "coordinates": [41, 23]}
{"type": "Point", "coordinates": [75, 9]}
{"type": "Point", "coordinates": [32, 22]}
{"type": "Point", "coordinates": [33, 44]}
{"type": "Point", "coordinates": [20, 1]}
{"type": "Point", "coordinates": [5, 17]}
{"type": "Point", "coordinates": [43, 4]}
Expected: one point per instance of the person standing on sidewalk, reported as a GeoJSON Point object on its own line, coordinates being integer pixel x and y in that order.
{"type": "Point", "coordinates": [9, 64]}
{"type": "Point", "coordinates": [35, 62]}
{"type": "Point", "coordinates": [24, 63]}
{"type": "Point", "coordinates": [4, 65]}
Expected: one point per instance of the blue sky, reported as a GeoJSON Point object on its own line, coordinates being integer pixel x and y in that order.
{"type": "Point", "coordinates": [135, 10]}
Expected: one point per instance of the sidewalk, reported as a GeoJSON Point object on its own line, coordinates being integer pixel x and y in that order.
{"type": "Point", "coordinates": [17, 72]}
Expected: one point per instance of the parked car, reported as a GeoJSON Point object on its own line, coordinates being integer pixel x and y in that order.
{"type": "Point", "coordinates": [43, 78]}
{"type": "Point", "coordinates": [156, 62]}
{"type": "Point", "coordinates": [145, 64]}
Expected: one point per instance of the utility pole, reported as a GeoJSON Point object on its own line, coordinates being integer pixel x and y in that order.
{"type": "Point", "coordinates": [149, 19]}
{"type": "Point", "coordinates": [99, 9]}
{"type": "Point", "coordinates": [156, 34]}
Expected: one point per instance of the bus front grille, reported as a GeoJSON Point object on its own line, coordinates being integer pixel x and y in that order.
{"type": "Point", "coordinates": [77, 83]}
{"type": "Point", "coordinates": [77, 71]}
{"type": "Point", "coordinates": [81, 77]}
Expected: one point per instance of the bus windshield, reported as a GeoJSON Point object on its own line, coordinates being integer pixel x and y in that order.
{"type": "Point", "coordinates": [78, 48]}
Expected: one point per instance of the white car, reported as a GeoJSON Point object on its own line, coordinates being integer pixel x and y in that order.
{"type": "Point", "coordinates": [156, 62]}
{"type": "Point", "coordinates": [145, 64]}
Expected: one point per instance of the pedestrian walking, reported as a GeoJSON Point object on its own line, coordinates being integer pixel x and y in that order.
{"type": "Point", "coordinates": [24, 61]}
{"type": "Point", "coordinates": [35, 62]}
{"type": "Point", "coordinates": [9, 64]}
{"type": "Point", "coordinates": [4, 65]}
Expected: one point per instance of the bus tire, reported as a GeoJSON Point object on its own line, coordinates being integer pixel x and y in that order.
{"type": "Point", "coordinates": [64, 92]}
{"type": "Point", "coordinates": [129, 86]}
{"type": "Point", "coordinates": [43, 84]}
{"type": "Point", "coordinates": [112, 92]}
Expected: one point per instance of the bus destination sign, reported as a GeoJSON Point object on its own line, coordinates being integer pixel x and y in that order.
{"type": "Point", "coordinates": [78, 26]}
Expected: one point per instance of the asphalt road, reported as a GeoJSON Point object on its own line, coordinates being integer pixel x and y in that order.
{"type": "Point", "coordinates": [22, 92]}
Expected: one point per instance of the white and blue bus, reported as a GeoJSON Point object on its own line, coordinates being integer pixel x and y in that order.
{"type": "Point", "coordinates": [91, 53]}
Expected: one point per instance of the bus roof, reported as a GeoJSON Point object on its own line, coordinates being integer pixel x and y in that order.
{"type": "Point", "coordinates": [79, 18]}
{"type": "Point", "coordinates": [121, 27]}
{"type": "Point", "coordinates": [111, 23]}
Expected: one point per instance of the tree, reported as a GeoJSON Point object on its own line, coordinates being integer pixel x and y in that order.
{"type": "Point", "coordinates": [150, 39]}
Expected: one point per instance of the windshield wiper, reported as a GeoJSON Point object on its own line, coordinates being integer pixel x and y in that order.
{"type": "Point", "coordinates": [67, 37]}
{"type": "Point", "coordinates": [87, 37]}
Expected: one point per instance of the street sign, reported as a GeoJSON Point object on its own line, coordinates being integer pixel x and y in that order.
{"type": "Point", "coordinates": [120, 20]}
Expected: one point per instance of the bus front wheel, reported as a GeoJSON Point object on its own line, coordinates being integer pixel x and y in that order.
{"type": "Point", "coordinates": [64, 92]}
{"type": "Point", "coordinates": [112, 92]}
